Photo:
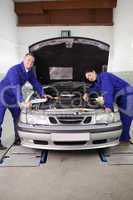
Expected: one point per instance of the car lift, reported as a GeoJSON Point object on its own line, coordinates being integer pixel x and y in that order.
{"type": "Point", "coordinates": [43, 155]}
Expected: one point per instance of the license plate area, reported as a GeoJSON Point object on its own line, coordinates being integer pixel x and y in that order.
{"type": "Point", "coordinates": [61, 137]}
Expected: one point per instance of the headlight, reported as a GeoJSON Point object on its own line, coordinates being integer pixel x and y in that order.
{"type": "Point", "coordinates": [34, 119]}
{"type": "Point", "coordinates": [106, 118]}
{"type": "Point", "coordinates": [23, 118]}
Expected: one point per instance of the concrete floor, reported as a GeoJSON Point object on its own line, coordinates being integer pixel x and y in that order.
{"type": "Point", "coordinates": [65, 176]}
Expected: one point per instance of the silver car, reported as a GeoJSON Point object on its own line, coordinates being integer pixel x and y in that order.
{"type": "Point", "coordinates": [65, 121]}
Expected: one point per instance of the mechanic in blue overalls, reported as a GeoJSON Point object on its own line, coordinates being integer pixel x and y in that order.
{"type": "Point", "coordinates": [10, 91]}
{"type": "Point", "coordinates": [113, 89]}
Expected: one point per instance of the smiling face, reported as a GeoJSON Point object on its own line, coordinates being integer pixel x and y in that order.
{"type": "Point", "coordinates": [91, 76]}
{"type": "Point", "coordinates": [28, 61]}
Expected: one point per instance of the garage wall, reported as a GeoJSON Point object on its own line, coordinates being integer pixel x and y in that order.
{"type": "Point", "coordinates": [8, 35]}
{"type": "Point", "coordinates": [14, 41]}
{"type": "Point", "coordinates": [119, 36]}
{"type": "Point", "coordinates": [123, 36]}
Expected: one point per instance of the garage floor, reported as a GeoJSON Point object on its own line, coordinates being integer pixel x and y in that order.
{"type": "Point", "coordinates": [65, 176]}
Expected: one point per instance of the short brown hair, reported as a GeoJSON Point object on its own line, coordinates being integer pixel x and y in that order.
{"type": "Point", "coordinates": [30, 54]}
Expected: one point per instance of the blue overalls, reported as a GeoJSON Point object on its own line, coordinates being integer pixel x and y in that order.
{"type": "Point", "coordinates": [114, 89]}
{"type": "Point", "coordinates": [11, 94]}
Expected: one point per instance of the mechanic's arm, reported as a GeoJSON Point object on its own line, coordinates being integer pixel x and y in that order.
{"type": "Point", "coordinates": [16, 89]}
{"type": "Point", "coordinates": [107, 92]}
{"type": "Point", "coordinates": [15, 85]}
{"type": "Point", "coordinates": [36, 85]}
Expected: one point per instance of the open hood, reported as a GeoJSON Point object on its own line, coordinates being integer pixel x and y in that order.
{"type": "Point", "coordinates": [67, 58]}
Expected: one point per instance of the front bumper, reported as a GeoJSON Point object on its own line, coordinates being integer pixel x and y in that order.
{"type": "Point", "coordinates": [69, 138]}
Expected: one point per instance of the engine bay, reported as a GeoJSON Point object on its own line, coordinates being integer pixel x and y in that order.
{"type": "Point", "coordinates": [65, 95]}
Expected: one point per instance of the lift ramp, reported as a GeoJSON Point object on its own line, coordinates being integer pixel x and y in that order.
{"type": "Point", "coordinates": [119, 155]}
{"type": "Point", "coordinates": [19, 156]}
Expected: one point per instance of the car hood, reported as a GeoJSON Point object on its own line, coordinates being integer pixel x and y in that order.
{"type": "Point", "coordinates": [67, 58]}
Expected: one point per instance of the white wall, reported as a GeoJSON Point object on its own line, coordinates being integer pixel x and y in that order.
{"type": "Point", "coordinates": [8, 35]}
{"type": "Point", "coordinates": [123, 36]}
{"type": "Point", "coordinates": [14, 40]}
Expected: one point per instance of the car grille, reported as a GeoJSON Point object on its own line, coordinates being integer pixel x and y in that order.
{"type": "Point", "coordinates": [70, 120]}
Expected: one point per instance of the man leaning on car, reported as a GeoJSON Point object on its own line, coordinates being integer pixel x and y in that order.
{"type": "Point", "coordinates": [11, 91]}
{"type": "Point", "coordinates": [114, 89]}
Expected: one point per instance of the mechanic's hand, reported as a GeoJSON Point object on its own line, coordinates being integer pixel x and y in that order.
{"type": "Point", "coordinates": [45, 97]}
{"type": "Point", "coordinates": [25, 104]}
{"type": "Point", "coordinates": [108, 110]}
{"type": "Point", "coordinates": [28, 104]}
{"type": "Point", "coordinates": [51, 97]}
{"type": "Point", "coordinates": [100, 100]}
{"type": "Point", "coordinates": [86, 97]}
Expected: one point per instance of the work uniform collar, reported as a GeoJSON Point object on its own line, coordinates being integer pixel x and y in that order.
{"type": "Point", "coordinates": [98, 79]}
{"type": "Point", "coordinates": [97, 82]}
{"type": "Point", "coordinates": [24, 69]}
